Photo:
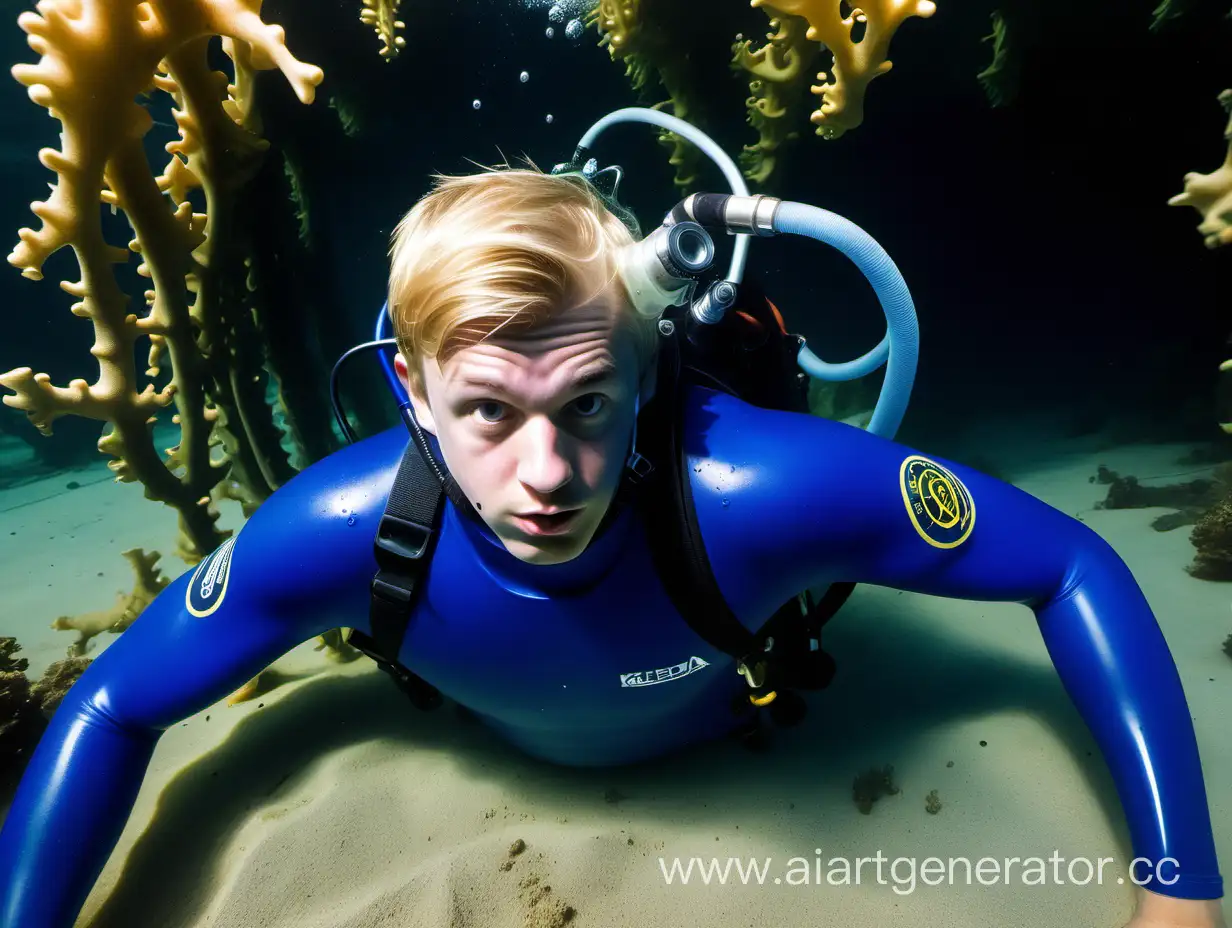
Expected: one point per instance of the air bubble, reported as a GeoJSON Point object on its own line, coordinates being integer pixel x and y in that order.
{"type": "Point", "coordinates": [475, 104]}
{"type": "Point", "coordinates": [548, 118]}
{"type": "Point", "coordinates": [524, 77]}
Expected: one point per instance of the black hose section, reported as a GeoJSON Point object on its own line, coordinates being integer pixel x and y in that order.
{"type": "Point", "coordinates": [347, 431]}
{"type": "Point", "coordinates": [706, 209]}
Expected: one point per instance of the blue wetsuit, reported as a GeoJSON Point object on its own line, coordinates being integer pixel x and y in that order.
{"type": "Point", "coordinates": [550, 656]}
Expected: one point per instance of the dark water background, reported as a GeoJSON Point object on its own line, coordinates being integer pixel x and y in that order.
{"type": "Point", "coordinates": [1047, 270]}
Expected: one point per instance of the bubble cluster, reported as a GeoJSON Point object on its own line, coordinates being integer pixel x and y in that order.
{"type": "Point", "coordinates": [567, 7]}
{"type": "Point", "coordinates": [561, 10]}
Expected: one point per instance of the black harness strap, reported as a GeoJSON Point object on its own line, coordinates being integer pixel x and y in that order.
{"type": "Point", "coordinates": [404, 541]}
{"type": "Point", "coordinates": [785, 653]}
{"type": "Point", "coordinates": [672, 532]}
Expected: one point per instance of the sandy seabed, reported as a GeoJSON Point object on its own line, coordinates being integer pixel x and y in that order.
{"type": "Point", "coordinates": [331, 802]}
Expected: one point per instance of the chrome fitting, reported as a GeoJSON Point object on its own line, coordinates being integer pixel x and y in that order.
{"type": "Point", "coordinates": [714, 303]}
{"type": "Point", "coordinates": [753, 214]}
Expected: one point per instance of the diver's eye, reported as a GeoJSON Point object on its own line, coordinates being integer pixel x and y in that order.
{"type": "Point", "coordinates": [589, 405]}
{"type": "Point", "coordinates": [490, 411]}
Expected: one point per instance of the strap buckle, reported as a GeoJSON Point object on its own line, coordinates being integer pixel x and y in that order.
{"type": "Point", "coordinates": [400, 540]}
{"type": "Point", "coordinates": [638, 467]}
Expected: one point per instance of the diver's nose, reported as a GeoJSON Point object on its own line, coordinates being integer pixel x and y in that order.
{"type": "Point", "coordinates": [542, 467]}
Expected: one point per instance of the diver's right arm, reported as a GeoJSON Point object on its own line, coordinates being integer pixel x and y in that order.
{"type": "Point", "coordinates": [287, 576]}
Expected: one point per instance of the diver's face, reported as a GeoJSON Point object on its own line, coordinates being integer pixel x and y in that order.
{"type": "Point", "coordinates": [535, 428]}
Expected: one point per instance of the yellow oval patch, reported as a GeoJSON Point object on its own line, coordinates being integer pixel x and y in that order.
{"type": "Point", "coordinates": [208, 586]}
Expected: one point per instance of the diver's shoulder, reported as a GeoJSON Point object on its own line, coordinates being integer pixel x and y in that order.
{"type": "Point", "coordinates": [306, 553]}
{"type": "Point", "coordinates": [333, 500]}
{"type": "Point", "coordinates": [710, 413]}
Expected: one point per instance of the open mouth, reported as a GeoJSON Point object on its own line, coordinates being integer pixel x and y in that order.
{"type": "Point", "coordinates": [555, 524]}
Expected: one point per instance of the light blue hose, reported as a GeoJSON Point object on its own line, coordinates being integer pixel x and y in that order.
{"type": "Point", "coordinates": [900, 348]}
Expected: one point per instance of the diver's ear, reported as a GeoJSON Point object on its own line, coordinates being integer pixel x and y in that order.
{"type": "Point", "coordinates": [419, 402]}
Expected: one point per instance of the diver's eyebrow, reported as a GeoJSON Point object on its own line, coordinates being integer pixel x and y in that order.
{"type": "Point", "coordinates": [480, 384]}
{"type": "Point", "coordinates": [596, 374]}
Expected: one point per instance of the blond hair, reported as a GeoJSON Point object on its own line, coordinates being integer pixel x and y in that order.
{"type": "Point", "coordinates": [502, 249]}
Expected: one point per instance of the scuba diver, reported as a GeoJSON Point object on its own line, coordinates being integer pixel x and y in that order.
{"type": "Point", "coordinates": [615, 530]}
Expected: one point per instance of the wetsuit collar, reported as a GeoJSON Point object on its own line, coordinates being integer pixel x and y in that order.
{"type": "Point", "coordinates": [548, 580]}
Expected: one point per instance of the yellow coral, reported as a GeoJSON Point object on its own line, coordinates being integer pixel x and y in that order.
{"type": "Point", "coordinates": [619, 23]}
{"type": "Point", "coordinates": [647, 53]}
{"type": "Point", "coordinates": [1211, 194]}
{"type": "Point", "coordinates": [779, 70]}
{"type": "Point", "coordinates": [149, 582]}
{"type": "Point", "coordinates": [856, 63]}
{"type": "Point", "coordinates": [97, 58]}
{"type": "Point", "coordinates": [382, 15]}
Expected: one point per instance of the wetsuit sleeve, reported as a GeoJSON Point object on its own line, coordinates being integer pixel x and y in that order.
{"type": "Point", "coordinates": [811, 501]}
{"type": "Point", "coordinates": [205, 635]}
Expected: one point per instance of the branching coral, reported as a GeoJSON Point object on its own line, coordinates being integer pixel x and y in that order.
{"type": "Point", "coordinates": [856, 61]}
{"type": "Point", "coordinates": [780, 70]}
{"type": "Point", "coordinates": [98, 58]}
{"type": "Point", "coordinates": [382, 15]}
{"type": "Point", "coordinates": [1211, 194]}
{"type": "Point", "coordinates": [1169, 10]}
{"type": "Point", "coordinates": [628, 34]}
{"type": "Point", "coordinates": [148, 583]}
{"type": "Point", "coordinates": [1000, 78]}
{"type": "Point", "coordinates": [620, 32]}
{"type": "Point", "coordinates": [348, 115]}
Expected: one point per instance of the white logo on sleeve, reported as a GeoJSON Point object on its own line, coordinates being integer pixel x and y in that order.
{"type": "Point", "coordinates": [663, 674]}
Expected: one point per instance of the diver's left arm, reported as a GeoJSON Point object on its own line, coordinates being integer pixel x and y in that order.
{"type": "Point", "coordinates": [831, 502]}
